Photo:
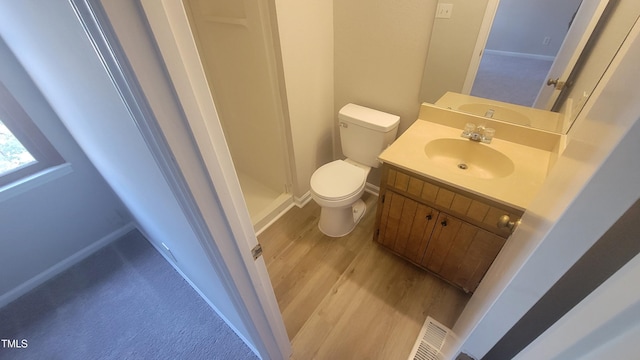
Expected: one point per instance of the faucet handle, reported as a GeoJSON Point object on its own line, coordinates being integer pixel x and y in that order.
{"type": "Point", "coordinates": [468, 130]}
{"type": "Point", "coordinates": [489, 133]}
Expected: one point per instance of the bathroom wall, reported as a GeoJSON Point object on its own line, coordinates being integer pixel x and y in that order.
{"type": "Point", "coordinates": [451, 48]}
{"type": "Point", "coordinates": [380, 51]}
{"type": "Point", "coordinates": [46, 228]}
{"type": "Point", "coordinates": [307, 42]}
{"type": "Point", "coordinates": [521, 26]}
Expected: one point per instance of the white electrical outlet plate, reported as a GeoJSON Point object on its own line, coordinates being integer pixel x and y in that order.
{"type": "Point", "coordinates": [444, 10]}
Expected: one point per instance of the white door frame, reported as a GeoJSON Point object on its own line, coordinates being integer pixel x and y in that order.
{"type": "Point", "coordinates": [170, 26]}
{"type": "Point", "coordinates": [481, 42]}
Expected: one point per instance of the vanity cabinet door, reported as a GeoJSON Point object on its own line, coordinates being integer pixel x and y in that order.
{"type": "Point", "coordinates": [414, 219]}
{"type": "Point", "coordinates": [460, 252]}
{"type": "Point", "coordinates": [406, 226]}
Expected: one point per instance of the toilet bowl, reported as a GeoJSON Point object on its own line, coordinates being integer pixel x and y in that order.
{"type": "Point", "coordinates": [338, 185]}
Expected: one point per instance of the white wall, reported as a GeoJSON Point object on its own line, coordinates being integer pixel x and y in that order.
{"type": "Point", "coordinates": [606, 323]}
{"type": "Point", "coordinates": [521, 26]}
{"type": "Point", "coordinates": [49, 227]}
{"type": "Point", "coordinates": [595, 180]}
{"type": "Point", "coordinates": [51, 44]}
{"type": "Point", "coordinates": [307, 43]}
{"type": "Point", "coordinates": [380, 51]}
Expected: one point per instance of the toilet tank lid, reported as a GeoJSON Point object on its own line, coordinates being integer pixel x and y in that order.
{"type": "Point", "coordinates": [369, 118]}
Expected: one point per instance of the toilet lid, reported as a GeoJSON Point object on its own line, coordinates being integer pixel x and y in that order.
{"type": "Point", "coordinates": [337, 180]}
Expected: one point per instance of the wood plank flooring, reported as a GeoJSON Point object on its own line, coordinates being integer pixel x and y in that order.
{"type": "Point", "coordinates": [348, 298]}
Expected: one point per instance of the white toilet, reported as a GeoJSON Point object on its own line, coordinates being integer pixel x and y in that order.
{"type": "Point", "coordinates": [338, 185]}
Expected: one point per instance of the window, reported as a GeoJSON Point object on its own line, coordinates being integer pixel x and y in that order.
{"type": "Point", "coordinates": [24, 150]}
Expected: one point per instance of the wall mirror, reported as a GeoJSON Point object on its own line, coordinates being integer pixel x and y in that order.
{"type": "Point", "coordinates": [465, 53]}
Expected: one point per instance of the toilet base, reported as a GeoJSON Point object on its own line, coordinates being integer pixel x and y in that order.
{"type": "Point", "coordinates": [338, 222]}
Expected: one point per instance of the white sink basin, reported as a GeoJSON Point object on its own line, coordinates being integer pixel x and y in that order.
{"type": "Point", "coordinates": [469, 158]}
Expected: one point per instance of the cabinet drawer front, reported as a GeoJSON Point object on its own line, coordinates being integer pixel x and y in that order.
{"type": "Point", "coordinates": [468, 207]}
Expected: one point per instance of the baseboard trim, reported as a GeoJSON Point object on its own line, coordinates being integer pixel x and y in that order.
{"type": "Point", "coordinates": [372, 189]}
{"type": "Point", "coordinates": [520, 55]}
{"type": "Point", "coordinates": [63, 265]}
{"type": "Point", "coordinates": [303, 200]}
{"type": "Point", "coordinates": [275, 218]}
{"type": "Point", "coordinates": [275, 210]}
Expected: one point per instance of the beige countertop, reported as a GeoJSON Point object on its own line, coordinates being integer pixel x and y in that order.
{"type": "Point", "coordinates": [516, 189]}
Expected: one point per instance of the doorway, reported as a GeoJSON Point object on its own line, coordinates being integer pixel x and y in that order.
{"type": "Point", "coordinates": [523, 42]}
{"type": "Point", "coordinates": [235, 44]}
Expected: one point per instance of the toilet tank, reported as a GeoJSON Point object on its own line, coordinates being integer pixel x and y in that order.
{"type": "Point", "coordinates": [365, 133]}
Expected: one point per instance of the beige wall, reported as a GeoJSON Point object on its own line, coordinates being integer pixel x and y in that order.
{"type": "Point", "coordinates": [306, 40]}
{"type": "Point", "coordinates": [380, 50]}
{"type": "Point", "coordinates": [451, 48]}
{"type": "Point", "coordinates": [235, 45]}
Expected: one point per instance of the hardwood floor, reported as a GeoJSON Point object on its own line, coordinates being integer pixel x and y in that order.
{"type": "Point", "coordinates": [348, 298]}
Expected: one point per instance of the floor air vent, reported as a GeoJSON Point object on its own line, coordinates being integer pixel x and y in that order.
{"type": "Point", "coordinates": [430, 341]}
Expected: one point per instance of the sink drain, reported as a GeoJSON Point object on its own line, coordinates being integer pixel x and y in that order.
{"type": "Point", "coordinates": [463, 166]}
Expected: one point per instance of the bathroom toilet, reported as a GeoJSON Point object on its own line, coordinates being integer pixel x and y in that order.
{"type": "Point", "coordinates": [338, 185]}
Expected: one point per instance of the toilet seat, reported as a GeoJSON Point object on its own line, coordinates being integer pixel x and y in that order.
{"type": "Point", "coordinates": [338, 180]}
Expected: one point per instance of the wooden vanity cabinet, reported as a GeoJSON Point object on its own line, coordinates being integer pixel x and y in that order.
{"type": "Point", "coordinates": [444, 230]}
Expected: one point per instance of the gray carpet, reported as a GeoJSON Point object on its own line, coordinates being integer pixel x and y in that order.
{"type": "Point", "coordinates": [510, 79]}
{"type": "Point", "coordinates": [124, 302]}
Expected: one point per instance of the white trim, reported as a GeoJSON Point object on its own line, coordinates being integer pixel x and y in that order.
{"type": "Point", "coordinates": [63, 265]}
{"type": "Point", "coordinates": [303, 200]}
{"type": "Point", "coordinates": [267, 216]}
{"type": "Point", "coordinates": [372, 189]}
{"type": "Point", "coordinates": [481, 42]}
{"type": "Point", "coordinates": [520, 55]}
{"type": "Point", "coordinates": [275, 218]}
{"type": "Point", "coordinates": [33, 181]}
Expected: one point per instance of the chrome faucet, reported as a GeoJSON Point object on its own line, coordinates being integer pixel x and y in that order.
{"type": "Point", "coordinates": [478, 133]}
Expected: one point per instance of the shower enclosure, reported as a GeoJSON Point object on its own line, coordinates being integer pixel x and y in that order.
{"type": "Point", "coordinates": [235, 41]}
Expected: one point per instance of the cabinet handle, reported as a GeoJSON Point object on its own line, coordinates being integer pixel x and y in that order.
{"type": "Point", "coordinates": [505, 223]}
{"type": "Point", "coordinates": [429, 217]}
{"type": "Point", "coordinates": [444, 223]}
